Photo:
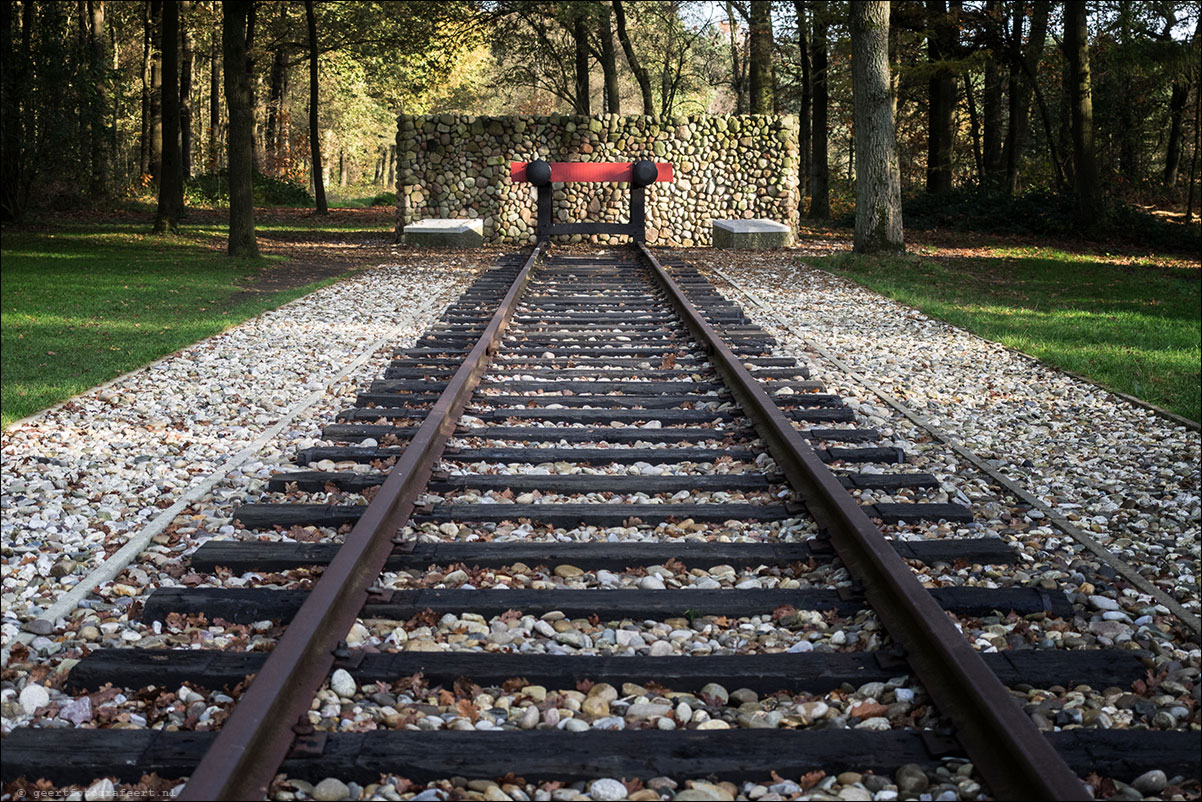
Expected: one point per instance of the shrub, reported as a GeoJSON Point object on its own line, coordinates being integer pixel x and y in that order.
{"type": "Point", "coordinates": [214, 188]}
{"type": "Point", "coordinates": [210, 188]}
{"type": "Point", "coordinates": [975, 209]}
{"type": "Point", "coordinates": [280, 192]}
{"type": "Point", "coordinates": [384, 199]}
{"type": "Point", "coordinates": [1041, 212]}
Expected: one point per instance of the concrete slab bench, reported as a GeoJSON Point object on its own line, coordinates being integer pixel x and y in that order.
{"type": "Point", "coordinates": [453, 233]}
{"type": "Point", "coordinates": [751, 235]}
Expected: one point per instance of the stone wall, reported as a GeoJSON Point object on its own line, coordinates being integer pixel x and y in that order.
{"type": "Point", "coordinates": [726, 167]}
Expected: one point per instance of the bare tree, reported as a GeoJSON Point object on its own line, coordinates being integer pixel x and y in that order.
{"type": "Point", "coordinates": [941, 44]}
{"type": "Point", "coordinates": [187, 47]}
{"type": "Point", "coordinates": [878, 175]}
{"type": "Point", "coordinates": [100, 54]}
{"type": "Point", "coordinates": [804, 116]}
{"type": "Point", "coordinates": [580, 45]}
{"type": "Point", "coordinates": [170, 191]}
{"type": "Point", "coordinates": [609, 63]}
{"type": "Point", "coordinates": [738, 66]}
{"type": "Point", "coordinates": [1024, 64]}
{"type": "Point", "coordinates": [240, 140]}
{"type": "Point", "coordinates": [155, 126]}
{"type": "Point", "coordinates": [319, 187]}
{"type": "Point", "coordinates": [1080, 92]}
{"type": "Point", "coordinates": [763, 90]}
{"type": "Point", "coordinates": [820, 177]}
{"type": "Point", "coordinates": [275, 138]}
{"type": "Point", "coordinates": [991, 151]}
{"type": "Point", "coordinates": [147, 49]}
{"type": "Point", "coordinates": [214, 101]}
{"type": "Point", "coordinates": [16, 166]}
{"type": "Point", "coordinates": [636, 67]}
{"type": "Point", "coordinates": [1177, 101]}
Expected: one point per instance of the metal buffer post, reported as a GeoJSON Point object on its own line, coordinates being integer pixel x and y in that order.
{"type": "Point", "coordinates": [638, 174]}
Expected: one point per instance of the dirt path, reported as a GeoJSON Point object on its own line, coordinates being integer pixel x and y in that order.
{"type": "Point", "coordinates": [314, 255]}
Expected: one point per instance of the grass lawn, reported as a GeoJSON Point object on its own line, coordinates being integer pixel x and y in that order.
{"type": "Point", "coordinates": [1129, 323]}
{"type": "Point", "coordinates": [84, 303]}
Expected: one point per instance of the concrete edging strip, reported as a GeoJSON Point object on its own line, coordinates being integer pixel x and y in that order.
{"type": "Point", "coordinates": [108, 570]}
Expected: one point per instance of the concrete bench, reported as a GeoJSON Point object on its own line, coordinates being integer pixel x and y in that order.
{"type": "Point", "coordinates": [751, 235]}
{"type": "Point", "coordinates": [435, 233]}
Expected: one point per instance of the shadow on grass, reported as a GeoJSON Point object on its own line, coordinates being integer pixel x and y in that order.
{"type": "Point", "coordinates": [1132, 328]}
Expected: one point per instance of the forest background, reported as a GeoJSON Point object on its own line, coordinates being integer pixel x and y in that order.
{"type": "Point", "coordinates": [983, 95]}
{"type": "Point", "coordinates": [1038, 144]}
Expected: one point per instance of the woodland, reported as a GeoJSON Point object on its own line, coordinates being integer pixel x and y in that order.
{"type": "Point", "coordinates": [1027, 170]}
{"type": "Point", "coordinates": [1033, 113]}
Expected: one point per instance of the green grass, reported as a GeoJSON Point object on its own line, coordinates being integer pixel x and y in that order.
{"type": "Point", "coordinates": [1130, 325]}
{"type": "Point", "coordinates": [84, 304]}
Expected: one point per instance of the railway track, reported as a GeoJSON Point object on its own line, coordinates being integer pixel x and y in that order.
{"type": "Point", "coordinates": [616, 423]}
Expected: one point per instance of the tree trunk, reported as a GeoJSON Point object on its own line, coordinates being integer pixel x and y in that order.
{"type": "Point", "coordinates": [391, 180]}
{"type": "Point", "coordinates": [1023, 65]}
{"type": "Point", "coordinates": [820, 177]}
{"type": "Point", "coordinates": [14, 68]}
{"type": "Point", "coordinates": [84, 101]}
{"type": "Point", "coordinates": [636, 67]}
{"type": "Point", "coordinates": [147, 47]}
{"type": "Point", "coordinates": [737, 67]}
{"type": "Point", "coordinates": [329, 148]}
{"type": "Point", "coordinates": [1172, 156]}
{"type": "Point", "coordinates": [170, 191]}
{"type": "Point", "coordinates": [974, 126]}
{"type": "Point", "coordinates": [241, 128]}
{"type": "Point", "coordinates": [991, 153]}
{"type": "Point", "coordinates": [1080, 93]}
{"type": "Point", "coordinates": [804, 118]}
{"type": "Point", "coordinates": [1017, 120]}
{"type": "Point", "coordinates": [1129, 126]}
{"type": "Point", "coordinates": [878, 175]}
{"type": "Point", "coordinates": [609, 62]}
{"type": "Point", "coordinates": [102, 141]}
{"type": "Point", "coordinates": [214, 107]}
{"type": "Point", "coordinates": [1193, 162]}
{"type": "Point", "coordinates": [256, 134]}
{"type": "Point", "coordinates": [275, 108]}
{"type": "Point", "coordinates": [941, 44]}
{"type": "Point", "coordinates": [186, 60]}
{"type": "Point", "coordinates": [759, 68]}
{"type": "Point", "coordinates": [342, 176]}
{"type": "Point", "coordinates": [580, 43]}
{"type": "Point", "coordinates": [1177, 102]}
{"type": "Point", "coordinates": [319, 188]}
{"type": "Point", "coordinates": [119, 166]}
{"type": "Point", "coordinates": [156, 90]}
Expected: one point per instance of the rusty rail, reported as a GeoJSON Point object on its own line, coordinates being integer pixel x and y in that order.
{"type": "Point", "coordinates": [1013, 756]}
{"type": "Point", "coordinates": [258, 735]}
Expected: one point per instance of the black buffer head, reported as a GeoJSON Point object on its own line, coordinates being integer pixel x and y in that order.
{"type": "Point", "coordinates": [538, 172]}
{"type": "Point", "coordinates": [643, 172]}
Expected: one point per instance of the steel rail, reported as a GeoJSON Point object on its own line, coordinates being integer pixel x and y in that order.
{"type": "Point", "coordinates": [1013, 756]}
{"type": "Point", "coordinates": [1122, 568]}
{"type": "Point", "coordinates": [256, 738]}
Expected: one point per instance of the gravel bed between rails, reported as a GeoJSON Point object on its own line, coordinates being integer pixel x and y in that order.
{"type": "Point", "coordinates": [81, 479]}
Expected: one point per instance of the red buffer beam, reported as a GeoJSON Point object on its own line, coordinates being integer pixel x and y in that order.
{"type": "Point", "coordinates": [594, 172]}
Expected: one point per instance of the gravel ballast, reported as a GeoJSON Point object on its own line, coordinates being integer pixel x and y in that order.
{"type": "Point", "coordinates": [1119, 472]}
{"type": "Point", "coordinates": [82, 478]}
{"type": "Point", "coordinates": [888, 338]}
